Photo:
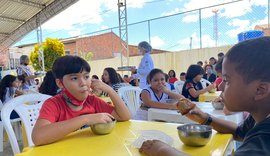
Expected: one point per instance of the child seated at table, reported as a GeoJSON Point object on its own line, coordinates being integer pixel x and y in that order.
{"type": "Point", "coordinates": [246, 87]}
{"type": "Point", "coordinates": [8, 90]}
{"type": "Point", "coordinates": [74, 107]}
{"type": "Point", "coordinates": [157, 92]}
{"type": "Point", "coordinates": [192, 87]}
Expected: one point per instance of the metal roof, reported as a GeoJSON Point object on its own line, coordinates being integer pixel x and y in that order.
{"type": "Point", "coordinates": [19, 17]}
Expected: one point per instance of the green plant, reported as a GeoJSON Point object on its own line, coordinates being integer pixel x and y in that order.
{"type": "Point", "coordinates": [52, 49]}
{"type": "Point", "coordinates": [87, 56]}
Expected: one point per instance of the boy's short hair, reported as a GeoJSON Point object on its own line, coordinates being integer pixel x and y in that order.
{"type": "Point", "coordinates": [221, 54]}
{"type": "Point", "coordinates": [69, 64]}
{"type": "Point", "coordinates": [252, 59]}
{"type": "Point", "coordinates": [218, 66]}
{"type": "Point", "coordinates": [183, 74]}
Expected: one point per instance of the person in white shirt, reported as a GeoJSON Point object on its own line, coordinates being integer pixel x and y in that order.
{"type": "Point", "coordinates": [145, 66]}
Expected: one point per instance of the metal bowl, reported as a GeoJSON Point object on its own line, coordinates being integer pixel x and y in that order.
{"type": "Point", "coordinates": [194, 134]}
{"type": "Point", "coordinates": [218, 105]}
{"type": "Point", "coordinates": [101, 129]}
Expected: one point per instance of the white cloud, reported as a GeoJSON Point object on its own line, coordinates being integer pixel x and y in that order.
{"type": "Point", "coordinates": [157, 42]}
{"type": "Point", "coordinates": [75, 32]}
{"type": "Point", "coordinates": [260, 22]}
{"type": "Point", "coordinates": [207, 41]}
{"type": "Point", "coordinates": [232, 10]}
{"type": "Point", "coordinates": [191, 18]}
{"type": "Point", "coordinates": [238, 27]}
{"type": "Point", "coordinates": [175, 11]}
{"type": "Point", "coordinates": [85, 12]}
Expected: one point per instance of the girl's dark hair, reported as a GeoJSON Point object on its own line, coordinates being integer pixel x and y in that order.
{"type": "Point", "coordinates": [113, 76]}
{"type": "Point", "coordinates": [48, 86]}
{"type": "Point", "coordinates": [4, 84]}
{"type": "Point", "coordinates": [152, 73]}
{"type": "Point", "coordinates": [21, 78]}
{"type": "Point", "coordinates": [193, 71]}
{"type": "Point", "coordinates": [120, 77]}
{"type": "Point", "coordinates": [251, 59]}
{"type": "Point", "coordinates": [173, 73]}
{"type": "Point", "coordinates": [69, 64]}
{"type": "Point", "coordinates": [218, 66]}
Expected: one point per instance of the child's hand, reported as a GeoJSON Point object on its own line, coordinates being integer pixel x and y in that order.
{"type": "Point", "coordinates": [197, 115]}
{"type": "Point", "coordinates": [99, 118]}
{"type": "Point", "coordinates": [211, 86]}
{"type": "Point", "coordinates": [98, 86]}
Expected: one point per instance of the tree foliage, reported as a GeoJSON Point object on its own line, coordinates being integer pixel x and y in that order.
{"type": "Point", "coordinates": [87, 56]}
{"type": "Point", "coordinates": [52, 49]}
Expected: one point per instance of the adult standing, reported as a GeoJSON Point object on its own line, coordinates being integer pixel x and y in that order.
{"type": "Point", "coordinates": [24, 71]}
{"type": "Point", "coordinates": [146, 64]}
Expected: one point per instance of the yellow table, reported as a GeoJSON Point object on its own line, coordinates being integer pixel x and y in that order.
{"type": "Point", "coordinates": [118, 143]}
{"type": "Point", "coordinates": [207, 97]}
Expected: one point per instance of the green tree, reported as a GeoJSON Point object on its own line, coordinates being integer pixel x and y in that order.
{"type": "Point", "coordinates": [87, 56]}
{"type": "Point", "coordinates": [52, 49]}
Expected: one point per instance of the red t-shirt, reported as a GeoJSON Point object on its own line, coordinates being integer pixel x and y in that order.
{"type": "Point", "coordinates": [55, 108]}
{"type": "Point", "coordinates": [218, 82]}
{"type": "Point", "coordinates": [172, 80]}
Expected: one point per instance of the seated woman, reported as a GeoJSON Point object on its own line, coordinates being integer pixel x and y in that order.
{"type": "Point", "coordinates": [192, 87]}
{"type": "Point", "coordinates": [111, 78]}
{"type": "Point", "coordinates": [156, 94]}
{"type": "Point", "coordinates": [8, 90]}
{"type": "Point", "coordinates": [210, 76]}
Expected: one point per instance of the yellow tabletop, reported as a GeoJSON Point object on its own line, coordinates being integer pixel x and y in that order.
{"type": "Point", "coordinates": [207, 97]}
{"type": "Point", "coordinates": [119, 142]}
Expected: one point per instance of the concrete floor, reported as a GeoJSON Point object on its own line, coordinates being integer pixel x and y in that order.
{"type": "Point", "coordinates": [7, 148]}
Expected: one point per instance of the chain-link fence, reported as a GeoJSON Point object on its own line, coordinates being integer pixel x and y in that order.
{"type": "Point", "coordinates": [210, 26]}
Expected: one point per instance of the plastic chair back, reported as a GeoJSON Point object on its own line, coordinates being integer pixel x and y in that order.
{"type": "Point", "coordinates": [131, 97]}
{"type": "Point", "coordinates": [27, 106]}
{"type": "Point", "coordinates": [205, 83]}
{"type": "Point", "coordinates": [178, 85]}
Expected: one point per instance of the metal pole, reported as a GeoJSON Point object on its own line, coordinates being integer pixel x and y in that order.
{"type": "Point", "coordinates": [149, 32]}
{"type": "Point", "coordinates": [200, 24]}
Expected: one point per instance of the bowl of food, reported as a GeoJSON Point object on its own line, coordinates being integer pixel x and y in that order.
{"type": "Point", "coordinates": [194, 134]}
{"type": "Point", "coordinates": [218, 105]}
{"type": "Point", "coordinates": [103, 128]}
{"type": "Point", "coordinates": [212, 90]}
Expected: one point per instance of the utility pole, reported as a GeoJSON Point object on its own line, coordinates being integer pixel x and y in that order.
{"type": "Point", "coordinates": [40, 48]}
{"type": "Point", "coordinates": [123, 32]}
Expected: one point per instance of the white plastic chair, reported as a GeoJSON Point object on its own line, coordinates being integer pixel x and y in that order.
{"type": "Point", "coordinates": [16, 127]}
{"type": "Point", "coordinates": [205, 82]}
{"type": "Point", "coordinates": [131, 97]}
{"type": "Point", "coordinates": [27, 106]}
{"type": "Point", "coordinates": [178, 85]}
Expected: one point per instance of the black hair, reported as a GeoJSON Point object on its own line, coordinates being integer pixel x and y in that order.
{"type": "Point", "coordinates": [5, 83]}
{"type": "Point", "coordinates": [95, 77]}
{"type": "Point", "coordinates": [193, 71]}
{"type": "Point", "coordinates": [183, 74]}
{"type": "Point", "coordinates": [48, 86]}
{"type": "Point", "coordinates": [125, 76]}
{"type": "Point", "coordinates": [21, 78]}
{"type": "Point", "coordinates": [120, 77]}
{"type": "Point", "coordinates": [174, 75]}
{"type": "Point", "coordinates": [152, 73]}
{"type": "Point", "coordinates": [251, 59]}
{"type": "Point", "coordinates": [212, 58]}
{"type": "Point", "coordinates": [166, 77]}
{"type": "Point", "coordinates": [221, 54]}
{"type": "Point", "coordinates": [69, 64]}
{"type": "Point", "coordinates": [218, 66]}
{"type": "Point", "coordinates": [113, 76]}
{"type": "Point", "coordinates": [200, 62]}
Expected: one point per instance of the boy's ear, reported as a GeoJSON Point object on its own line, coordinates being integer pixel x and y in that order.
{"type": "Point", "coordinates": [263, 90]}
{"type": "Point", "coordinates": [59, 83]}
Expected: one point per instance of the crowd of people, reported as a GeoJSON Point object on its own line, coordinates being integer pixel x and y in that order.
{"type": "Point", "coordinates": [240, 75]}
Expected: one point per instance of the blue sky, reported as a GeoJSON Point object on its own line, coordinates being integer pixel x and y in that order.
{"type": "Point", "coordinates": [173, 33]}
